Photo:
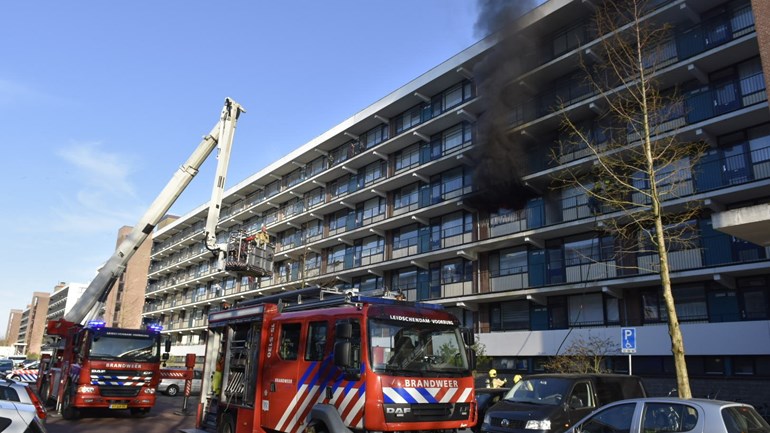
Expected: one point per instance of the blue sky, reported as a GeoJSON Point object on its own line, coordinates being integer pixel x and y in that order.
{"type": "Point", "coordinates": [100, 102]}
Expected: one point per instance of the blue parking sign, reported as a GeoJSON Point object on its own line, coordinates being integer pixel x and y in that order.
{"type": "Point", "coordinates": [628, 340]}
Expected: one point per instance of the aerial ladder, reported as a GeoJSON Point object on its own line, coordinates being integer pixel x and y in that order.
{"type": "Point", "coordinates": [73, 376]}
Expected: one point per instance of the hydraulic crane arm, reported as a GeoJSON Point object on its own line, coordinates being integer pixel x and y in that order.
{"type": "Point", "coordinates": [222, 135]}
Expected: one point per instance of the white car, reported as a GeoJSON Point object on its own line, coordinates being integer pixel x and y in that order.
{"type": "Point", "coordinates": [19, 418]}
{"type": "Point", "coordinates": [173, 387]}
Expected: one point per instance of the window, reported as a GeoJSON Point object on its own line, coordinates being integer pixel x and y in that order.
{"type": "Point", "coordinates": [410, 118]}
{"type": "Point", "coordinates": [616, 419]}
{"type": "Point", "coordinates": [316, 166]}
{"type": "Point", "coordinates": [509, 316]}
{"type": "Point", "coordinates": [742, 419]}
{"type": "Point", "coordinates": [312, 261]}
{"type": "Point", "coordinates": [404, 279]}
{"type": "Point", "coordinates": [316, 338]}
{"type": "Point", "coordinates": [338, 220]}
{"type": "Point", "coordinates": [586, 309]}
{"type": "Point", "coordinates": [340, 186]}
{"type": "Point", "coordinates": [315, 197]}
{"type": "Point", "coordinates": [314, 230]}
{"type": "Point", "coordinates": [290, 333]}
{"type": "Point", "coordinates": [405, 237]}
{"type": "Point", "coordinates": [456, 224]}
{"type": "Point", "coordinates": [372, 208]}
{"type": "Point", "coordinates": [567, 40]}
{"type": "Point", "coordinates": [509, 262]}
{"type": "Point", "coordinates": [373, 172]}
{"type": "Point", "coordinates": [406, 196]}
{"type": "Point", "coordinates": [375, 136]}
{"type": "Point", "coordinates": [335, 256]}
{"type": "Point", "coordinates": [372, 245]}
{"type": "Point", "coordinates": [668, 417]}
{"type": "Point", "coordinates": [408, 158]}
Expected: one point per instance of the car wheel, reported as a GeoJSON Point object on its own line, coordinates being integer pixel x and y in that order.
{"type": "Point", "coordinates": [172, 390]}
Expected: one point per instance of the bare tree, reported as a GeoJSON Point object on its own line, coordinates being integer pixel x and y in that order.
{"type": "Point", "coordinates": [583, 355]}
{"type": "Point", "coordinates": [639, 169]}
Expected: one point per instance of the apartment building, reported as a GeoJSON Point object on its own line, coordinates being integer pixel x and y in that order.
{"type": "Point", "coordinates": [32, 325]}
{"type": "Point", "coordinates": [14, 321]}
{"type": "Point", "coordinates": [63, 298]}
{"type": "Point", "coordinates": [382, 201]}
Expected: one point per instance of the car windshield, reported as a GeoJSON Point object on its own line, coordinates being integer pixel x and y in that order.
{"type": "Point", "coordinates": [6, 365]}
{"type": "Point", "coordinates": [130, 347]}
{"type": "Point", "coordinates": [416, 348]}
{"type": "Point", "coordinates": [546, 391]}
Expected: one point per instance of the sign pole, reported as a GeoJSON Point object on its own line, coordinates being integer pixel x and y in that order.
{"type": "Point", "coordinates": [628, 345]}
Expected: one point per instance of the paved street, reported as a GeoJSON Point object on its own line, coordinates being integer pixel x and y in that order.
{"type": "Point", "coordinates": [162, 419]}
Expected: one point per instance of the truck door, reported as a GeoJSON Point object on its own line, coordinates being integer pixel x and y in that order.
{"type": "Point", "coordinates": [281, 380]}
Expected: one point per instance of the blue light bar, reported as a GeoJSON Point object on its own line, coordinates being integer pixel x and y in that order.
{"type": "Point", "coordinates": [155, 327]}
{"type": "Point", "coordinates": [96, 324]}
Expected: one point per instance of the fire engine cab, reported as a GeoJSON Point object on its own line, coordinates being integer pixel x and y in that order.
{"type": "Point", "coordinates": [337, 363]}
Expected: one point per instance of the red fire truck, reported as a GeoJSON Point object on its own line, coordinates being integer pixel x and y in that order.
{"type": "Point", "coordinates": [95, 366]}
{"type": "Point", "coordinates": [338, 363]}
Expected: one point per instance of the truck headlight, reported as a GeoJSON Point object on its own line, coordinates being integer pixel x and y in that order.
{"type": "Point", "coordinates": [534, 424]}
{"type": "Point", "coordinates": [86, 390]}
{"type": "Point", "coordinates": [149, 390]}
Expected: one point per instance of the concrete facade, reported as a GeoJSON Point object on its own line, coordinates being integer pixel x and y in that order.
{"type": "Point", "coordinates": [14, 321]}
{"type": "Point", "coordinates": [33, 324]}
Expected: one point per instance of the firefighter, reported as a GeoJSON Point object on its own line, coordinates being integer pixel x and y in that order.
{"type": "Point", "coordinates": [262, 237]}
{"type": "Point", "coordinates": [216, 380]}
{"type": "Point", "coordinates": [495, 382]}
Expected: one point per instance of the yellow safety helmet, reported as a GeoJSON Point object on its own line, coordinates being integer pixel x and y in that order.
{"type": "Point", "coordinates": [493, 373]}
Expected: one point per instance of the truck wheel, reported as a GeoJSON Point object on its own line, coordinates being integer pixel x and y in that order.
{"type": "Point", "coordinates": [68, 411]}
{"type": "Point", "coordinates": [44, 393]}
{"type": "Point", "coordinates": [172, 390]}
{"type": "Point", "coordinates": [227, 424]}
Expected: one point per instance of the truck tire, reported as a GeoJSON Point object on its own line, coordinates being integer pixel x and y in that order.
{"type": "Point", "coordinates": [226, 424]}
{"type": "Point", "coordinates": [68, 411]}
{"type": "Point", "coordinates": [172, 390]}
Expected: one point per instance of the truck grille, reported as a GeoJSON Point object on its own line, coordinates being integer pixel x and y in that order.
{"type": "Point", "coordinates": [119, 391]}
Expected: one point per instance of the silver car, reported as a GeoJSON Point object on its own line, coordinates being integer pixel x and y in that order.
{"type": "Point", "coordinates": [19, 418]}
{"type": "Point", "coordinates": [670, 414]}
{"type": "Point", "coordinates": [173, 387]}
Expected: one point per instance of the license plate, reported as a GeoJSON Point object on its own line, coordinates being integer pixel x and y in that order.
{"type": "Point", "coordinates": [118, 406]}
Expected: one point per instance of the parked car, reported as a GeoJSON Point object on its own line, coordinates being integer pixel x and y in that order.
{"type": "Point", "coordinates": [551, 403]}
{"type": "Point", "coordinates": [672, 414]}
{"type": "Point", "coordinates": [25, 373]}
{"type": "Point", "coordinates": [19, 418]}
{"type": "Point", "coordinates": [22, 393]}
{"type": "Point", "coordinates": [6, 365]}
{"type": "Point", "coordinates": [486, 398]}
{"type": "Point", "coordinates": [173, 387]}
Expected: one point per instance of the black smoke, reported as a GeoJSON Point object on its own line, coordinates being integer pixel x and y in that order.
{"type": "Point", "coordinates": [499, 159]}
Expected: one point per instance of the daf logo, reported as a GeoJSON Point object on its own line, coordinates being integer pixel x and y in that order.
{"type": "Point", "coordinates": [505, 423]}
{"type": "Point", "coordinates": [398, 410]}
